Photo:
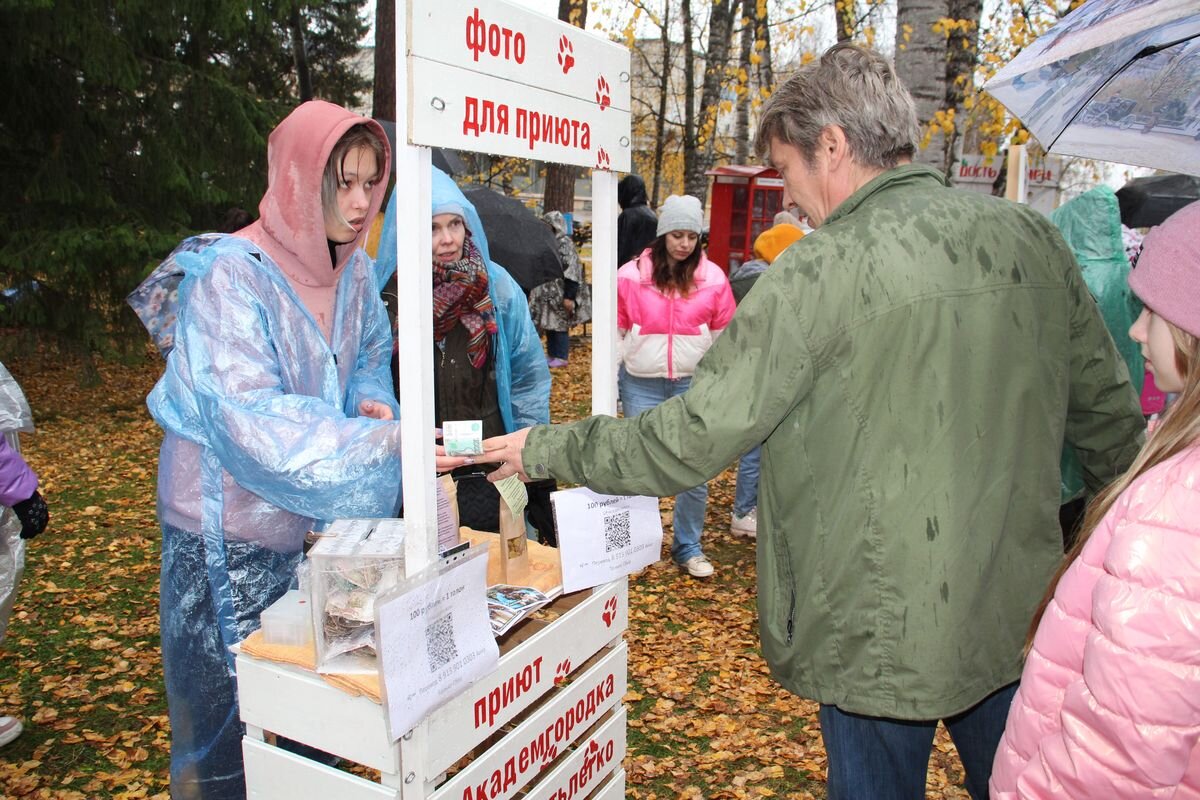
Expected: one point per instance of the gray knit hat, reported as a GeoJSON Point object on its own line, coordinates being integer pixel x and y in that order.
{"type": "Point", "coordinates": [681, 213]}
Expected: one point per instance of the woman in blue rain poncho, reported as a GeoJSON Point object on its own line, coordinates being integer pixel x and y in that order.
{"type": "Point", "coordinates": [488, 359]}
{"type": "Point", "coordinates": [277, 413]}
{"type": "Point", "coordinates": [513, 348]}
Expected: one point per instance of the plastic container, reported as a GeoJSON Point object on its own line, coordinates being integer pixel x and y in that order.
{"type": "Point", "coordinates": [352, 563]}
{"type": "Point", "coordinates": [289, 620]}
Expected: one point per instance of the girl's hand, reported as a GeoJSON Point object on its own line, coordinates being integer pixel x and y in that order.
{"type": "Point", "coordinates": [446, 463]}
{"type": "Point", "coordinates": [375, 410]}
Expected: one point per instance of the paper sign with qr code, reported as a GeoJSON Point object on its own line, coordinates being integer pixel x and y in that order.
{"type": "Point", "coordinates": [435, 638]}
{"type": "Point", "coordinates": [602, 537]}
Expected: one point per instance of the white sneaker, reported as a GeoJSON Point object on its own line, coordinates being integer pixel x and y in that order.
{"type": "Point", "coordinates": [745, 525]}
{"type": "Point", "coordinates": [10, 728]}
{"type": "Point", "coordinates": [698, 567]}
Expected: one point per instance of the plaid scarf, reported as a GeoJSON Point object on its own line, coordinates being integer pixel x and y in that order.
{"type": "Point", "coordinates": [460, 294]}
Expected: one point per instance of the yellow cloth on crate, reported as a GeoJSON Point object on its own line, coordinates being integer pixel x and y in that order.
{"type": "Point", "coordinates": [545, 575]}
{"type": "Point", "coordinates": [305, 657]}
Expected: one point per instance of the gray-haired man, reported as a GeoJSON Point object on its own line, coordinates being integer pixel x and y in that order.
{"type": "Point", "coordinates": [913, 368]}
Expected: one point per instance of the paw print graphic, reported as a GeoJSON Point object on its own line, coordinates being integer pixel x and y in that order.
{"type": "Point", "coordinates": [566, 54]}
{"type": "Point", "coordinates": [603, 93]}
{"type": "Point", "coordinates": [610, 608]}
{"type": "Point", "coordinates": [603, 162]}
{"type": "Point", "coordinates": [561, 673]}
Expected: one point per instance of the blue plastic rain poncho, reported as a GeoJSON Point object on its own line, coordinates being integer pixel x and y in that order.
{"type": "Point", "coordinates": [14, 416]}
{"type": "Point", "coordinates": [522, 377]}
{"type": "Point", "coordinates": [1091, 224]}
{"type": "Point", "coordinates": [279, 337]}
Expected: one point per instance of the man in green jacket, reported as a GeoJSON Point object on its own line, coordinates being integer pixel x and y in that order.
{"type": "Point", "coordinates": [913, 370]}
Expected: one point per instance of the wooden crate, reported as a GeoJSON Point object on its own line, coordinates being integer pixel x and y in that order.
{"type": "Point", "coordinates": [547, 721]}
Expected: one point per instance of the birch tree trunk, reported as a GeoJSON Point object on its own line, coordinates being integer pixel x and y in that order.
{"type": "Point", "coordinates": [691, 149]}
{"type": "Point", "coordinates": [921, 66]}
{"type": "Point", "coordinates": [720, 45]}
{"type": "Point", "coordinates": [660, 121]}
{"type": "Point", "coordinates": [741, 127]}
{"type": "Point", "coordinates": [963, 48]}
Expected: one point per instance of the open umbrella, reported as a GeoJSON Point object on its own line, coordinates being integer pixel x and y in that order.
{"type": "Point", "coordinates": [1149, 201]}
{"type": "Point", "coordinates": [517, 238]}
{"type": "Point", "coordinates": [1116, 80]}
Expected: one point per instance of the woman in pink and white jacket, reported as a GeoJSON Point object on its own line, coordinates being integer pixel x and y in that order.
{"type": "Point", "coordinates": [671, 304]}
{"type": "Point", "coordinates": [1109, 703]}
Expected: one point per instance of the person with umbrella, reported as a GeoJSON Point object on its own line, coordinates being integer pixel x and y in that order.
{"type": "Point", "coordinates": [488, 359]}
{"type": "Point", "coordinates": [563, 303]}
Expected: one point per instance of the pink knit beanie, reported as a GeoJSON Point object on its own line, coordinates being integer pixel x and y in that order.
{"type": "Point", "coordinates": [1167, 275]}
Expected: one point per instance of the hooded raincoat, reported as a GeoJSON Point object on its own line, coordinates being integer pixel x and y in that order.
{"type": "Point", "coordinates": [913, 370]}
{"type": "Point", "coordinates": [17, 483]}
{"type": "Point", "coordinates": [1091, 224]}
{"type": "Point", "coordinates": [637, 226]}
{"type": "Point", "coordinates": [522, 377]}
{"type": "Point", "coordinates": [278, 339]}
{"type": "Point", "coordinates": [546, 301]}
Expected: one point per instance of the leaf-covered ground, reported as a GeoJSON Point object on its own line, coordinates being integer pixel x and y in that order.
{"type": "Point", "coordinates": [81, 663]}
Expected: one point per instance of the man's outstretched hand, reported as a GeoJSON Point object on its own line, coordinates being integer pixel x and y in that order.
{"type": "Point", "coordinates": [505, 451]}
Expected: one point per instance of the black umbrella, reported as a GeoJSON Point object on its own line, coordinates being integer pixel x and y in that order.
{"type": "Point", "coordinates": [1149, 201]}
{"type": "Point", "coordinates": [517, 238]}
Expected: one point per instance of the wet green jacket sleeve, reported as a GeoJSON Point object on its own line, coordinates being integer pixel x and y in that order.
{"type": "Point", "coordinates": [755, 373]}
{"type": "Point", "coordinates": [1104, 416]}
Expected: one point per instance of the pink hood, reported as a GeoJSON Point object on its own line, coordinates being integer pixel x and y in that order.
{"type": "Point", "coordinates": [291, 224]}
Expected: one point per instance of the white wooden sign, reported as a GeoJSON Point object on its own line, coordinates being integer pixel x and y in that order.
{"type": "Point", "coordinates": [593, 760]}
{"type": "Point", "coordinates": [604, 537]}
{"type": "Point", "coordinates": [509, 81]}
{"type": "Point", "coordinates": [533, 745]}
{"type": "Point", "coordinates": [522, 46]}
{"type": "Point", "coordinates": [434, 640]}
{"type": "Point", "coordinates": [526, 674]}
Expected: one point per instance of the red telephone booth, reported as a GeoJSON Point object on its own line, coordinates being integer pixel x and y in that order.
{"type": "Point", "coordinates": [744, 203]}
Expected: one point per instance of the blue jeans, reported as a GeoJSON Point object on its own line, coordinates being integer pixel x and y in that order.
{"type": "Point", "coordinates": [558, 344]}
{"type": "Point", "coordinates": [887, 759]}
{"type": "Point", "coordinates": [745, 496]}
{"type": "Point", "coordinates": [638, 395]}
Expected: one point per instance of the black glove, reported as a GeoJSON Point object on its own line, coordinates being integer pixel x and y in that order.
{"type": "Point", "coordinates": [33, 514]}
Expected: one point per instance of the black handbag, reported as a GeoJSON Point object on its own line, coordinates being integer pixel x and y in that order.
{"type": "Point", "coordinates": [478, 502]}
{"type": "Point", "coordinates": [479, 505]}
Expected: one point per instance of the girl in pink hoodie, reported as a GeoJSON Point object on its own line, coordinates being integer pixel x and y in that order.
{"type": "Point", "coordinates": [1109, 702]}
{"type": "Point", "coordinates": [672, 302]}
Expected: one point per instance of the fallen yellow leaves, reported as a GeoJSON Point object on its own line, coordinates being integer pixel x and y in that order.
{"type": "Point", "coordinates": [81, 664]}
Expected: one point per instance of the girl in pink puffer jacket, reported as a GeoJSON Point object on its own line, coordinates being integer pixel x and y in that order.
{"type": "Point", "coordinates": [1109, 703]}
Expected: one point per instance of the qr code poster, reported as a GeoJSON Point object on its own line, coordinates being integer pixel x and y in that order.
{"type": "Point", "coordinates": [435, 638]}
{"type": "Point", "coordinates": [603, 537]}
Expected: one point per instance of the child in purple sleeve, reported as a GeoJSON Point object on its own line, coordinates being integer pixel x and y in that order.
{"type": "Point", "coordinates": [18, 491]}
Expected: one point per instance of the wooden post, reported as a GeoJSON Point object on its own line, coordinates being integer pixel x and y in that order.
{"type": "Point", "coordinates": [1018, 174]}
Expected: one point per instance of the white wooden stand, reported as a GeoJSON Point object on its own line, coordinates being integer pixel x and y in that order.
{"type": "Point", "coordinates": [548, 722]}
{"type": "Point", "coordinates": [548, 719]}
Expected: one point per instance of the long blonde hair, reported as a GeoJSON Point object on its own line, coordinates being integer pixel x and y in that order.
{"type": "Point", "coordinates": [1178, 430]}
